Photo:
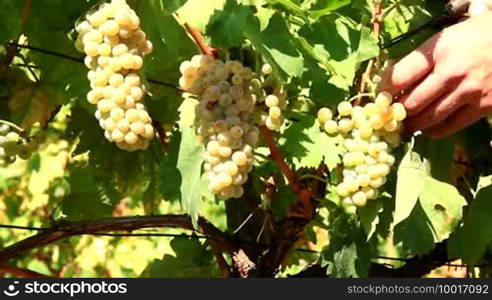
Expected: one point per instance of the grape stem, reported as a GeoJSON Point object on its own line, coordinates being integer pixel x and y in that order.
{"type": "Point", "coordinates": [360, 96]}
{"type": "Point", "coordinates": [376, 11]}
{"type": "Point", "coordinates": [25, 12]}
{"type": "Point", "coordinates": [12, 125]}
{"type": "Point", "coordinates": [276, 155]}
{"type": "Point", "coordinates": [200, 41]}
{"type": "Point", "coordinates": [311, 176]}
{"type": "Point", "coordinates": [302, 208]}
{"type": "Point", "coordinates": [162, 135]}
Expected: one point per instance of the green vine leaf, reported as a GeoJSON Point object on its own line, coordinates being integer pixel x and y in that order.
{"type": "Point", "coordinates": [169, 171]}
{"type": "Point", "coordinates": [190, 160]}
{"type": "Point", "coordinates": [10, 17]}
{"type": "Point", "coordinates": [224, 26]}
{"type": "Point", "coordinates": [411, 169]}
{"type": "Point", "coordinates": [191, 260]}
{"type": "Point", "coordinates": [422, 202]}
{"type": "Point", "coordinates": [470, 240]}
{"type": "Point", "coordinates": [308, 146]}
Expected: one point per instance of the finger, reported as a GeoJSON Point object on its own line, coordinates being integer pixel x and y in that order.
{"type": "Point", "coordinates": [411, 68]}
{"type": "Point", "coordinates": [478, 7]}
{"type": "Point", "coordinates": [425, 93]}
{"type": "Point", "coordinates": [459, 120]}
{"type": "Point", "coordinates": [436, 112]}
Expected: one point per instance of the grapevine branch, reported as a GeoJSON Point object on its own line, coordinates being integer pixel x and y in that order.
{"type": "Point", "coordinates": [25, 12]}
{"type": "Point", "coordinates": [276, 155]}
{"type": "Point", "coordinates": [162, 135]}
{"type": "Point", "coordinates": [376, 31]}
{"type": "Point", "coordinates": [413, 267]}
{"type": "Point", "coordinates": [219, 241]}
{"type": "Point", "coordinates": [289, 230]}
{"type": "Point", "coordinates": [65, 229]}
{"type": "Point", "coordinates": [417, 266]}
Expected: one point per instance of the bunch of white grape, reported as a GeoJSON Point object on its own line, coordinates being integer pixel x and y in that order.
{"type": "Point", "coordinates": [224, 120]}
{"type": "Point", "coordinates": [369, 133]}
{"type": "Point", "coordinates": [272, 100]}
{"type": "Point", "coordinates": [13, 145]}
{"type": "Point", "coordinates": [115, 46]}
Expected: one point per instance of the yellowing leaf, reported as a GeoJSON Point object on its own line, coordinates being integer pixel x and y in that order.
{"type": "Point", "coordinates": [31, 103]}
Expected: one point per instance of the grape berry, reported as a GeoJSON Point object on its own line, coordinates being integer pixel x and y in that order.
{"type": "Point", "coordinates": [271, 100]}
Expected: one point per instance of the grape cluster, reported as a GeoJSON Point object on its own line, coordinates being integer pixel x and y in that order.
{"type": "Point", "coordinates": [369, 133]}
{"type": "Point", "coordinates": [13, 145]}
{"type": "Point", "coordinates": [224, 120]}
{"type": "Point", "coordinates": [271, 99]}
{"type": "Point", "coordinates": [115, 46]}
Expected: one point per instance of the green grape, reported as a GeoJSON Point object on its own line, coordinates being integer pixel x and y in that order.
{"type": "Point", "coordinates": [324, 115]}
{"type": "Point", "coordinates": [331, 127]}
{"type": "Point", "coordinates": [266, 69]}
{"type": "Point", "coordinates": [115, 46]}
{"type": "Point", "coordinates": [345, 108]}
{"type": "Point", "coordinates": [368, 132]}
{"type": "Point", "coordinates": [224, 120]}
{"type": "Point", "coordinates": [4, 129]}
{"type": "Point", "coordinates": [359, 198]}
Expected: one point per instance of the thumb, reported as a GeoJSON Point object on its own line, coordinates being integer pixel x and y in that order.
{"type": "Point", "coordinates": [478, 7]}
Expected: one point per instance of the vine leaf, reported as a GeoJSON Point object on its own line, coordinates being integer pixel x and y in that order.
{"type": "Point", "coordinates": [47, 27]}
{"type": "Point", "coordinates": [171, 6]}
{"type": "Point", "coordinates": [199, 18]}
{"type": "Point", "coordinates": [31, 103]}
{"type": "Point", "coordinates": [170, 41]}
{"type": "Point", "coordinates": [284, 198]}
{"type": "Point", "coordinates": [192, 260]}
{"type": "Point", "coordinates": [470, 241]}
{"type": "Point", "coordinates": [170, 177]}
{"type": "Point", "coordinates": [324, 7]}
{"type": "Point", "coordinates": [277, 45]}
{"type": "Point", "coordinates": [151, 197]}
{"type": "Point", "coordinates": [308, 146]}
{"type": "Point", "coordinates": [440, 153]}
{"type": "Point", "coordinates": [369, 217]}
{"type": "Point", "coordinates": [10, 17]}
{"type": "Point", "coordinates": [223, 24]}
{"type": "Point", "coordinates": [415, 233]}
{"type": "Point", "coordinates": [190, 159]}
{"type": "Point", "coordinates": [349, 254]}
{"type": "Point", "coordinates": [411, 170]}
{"type": "Point", "coordinates": [342, 43]}
{"type": "Point", "coordinates": [426, 210]}
{"type": "Point", "coordinates": [89, 197]}
{"type": "Point", "coordinates": [443, 205]}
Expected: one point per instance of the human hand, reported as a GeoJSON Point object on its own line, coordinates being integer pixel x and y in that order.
{"type": "Point", "coordinates": [478, 7]}
{"type": "Point", "coordinates": [447, 82]}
